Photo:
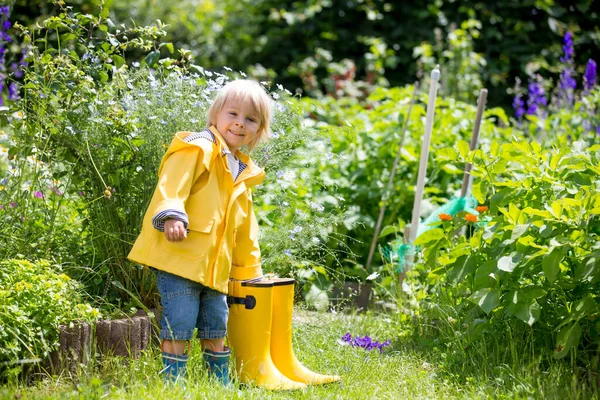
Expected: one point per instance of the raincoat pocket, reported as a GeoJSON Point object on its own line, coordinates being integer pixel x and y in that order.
{"type": "Point", "coordinates": [199, 239]}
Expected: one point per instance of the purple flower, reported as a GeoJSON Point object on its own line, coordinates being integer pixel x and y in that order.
{"type": "Point", "coordinates": [4, 10]}
{"type": "Point", "coordinates": [519, 106]}
{"type": "Point", "coordinates": [55, 190]}
{"type": "Point", "coordinates": [566, 86]}
{"type": "Point", "coordinates": [13, 91]}
{"type": "Point", "coordinates": [536, 98]}
{"type": "Point", "coordinates": [567, 48]}
{"type": "Point", "coordinates": [287, 252]}
{"type": "Point", "coordinates": [589, 77]}
{"type": "Point", "coordinates": [39, 194]}
{"type": "Point", "coordinates": [13, 204]}
{"type": "Point", "coordinates": [365, 342]}
{"type": "Point", "coordinates": [6, 25]}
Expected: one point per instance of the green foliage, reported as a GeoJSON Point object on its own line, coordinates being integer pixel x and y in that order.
{"type": "Point", "coordinates": [35, 298]}
{"type": "Point", "coordinates": [534, 256]}
{"type": "Point", "coordinates": [460, 65]}
{"type": "Point", "coordinates": [365, 140]}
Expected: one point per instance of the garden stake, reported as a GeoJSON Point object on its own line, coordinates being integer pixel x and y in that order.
{"type": "Point", "coordinates": [464, 202]}
{"type": "Point", "coordinates": [414, 225]}
{"type": "Point", "coordinates": [389, 185]}
{"type": "Point", "coordinates": [467, 178]}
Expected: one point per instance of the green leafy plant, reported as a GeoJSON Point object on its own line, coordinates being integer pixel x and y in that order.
{"type": "Point", "coordinates": [35, 298]}
{"type": "Point", "coordinates": [534, 257]}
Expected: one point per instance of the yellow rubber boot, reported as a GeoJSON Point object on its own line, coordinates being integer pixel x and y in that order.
{"type": "Point", "coordinates": [281, 337]}
{"type": "Point", "coordinates": [249, 335]}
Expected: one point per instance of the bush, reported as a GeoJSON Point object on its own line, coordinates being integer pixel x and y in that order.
{"type": "Point", "coordinates": [35, 298]}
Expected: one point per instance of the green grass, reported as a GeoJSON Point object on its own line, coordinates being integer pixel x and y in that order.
{"type": "Point", "coordinates": [404, 370]}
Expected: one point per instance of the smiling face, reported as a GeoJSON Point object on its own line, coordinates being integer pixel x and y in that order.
{"type": "Point", "coordinates": [238, 124]}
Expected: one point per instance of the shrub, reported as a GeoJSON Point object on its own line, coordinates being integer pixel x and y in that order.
{"type": "Point", "coordinates": [35, 298]}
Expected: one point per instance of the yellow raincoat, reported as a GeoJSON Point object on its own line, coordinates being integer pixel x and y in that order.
{"type": "Point", "coordinates": [222, 241]}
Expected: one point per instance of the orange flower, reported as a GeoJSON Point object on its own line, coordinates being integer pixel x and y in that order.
{"type": "Point", "coordinates": [445, 217]}
{"type": "Point", "coordinates": [481, 209]}
{"type": "Point", "coordinates": [471, 218]}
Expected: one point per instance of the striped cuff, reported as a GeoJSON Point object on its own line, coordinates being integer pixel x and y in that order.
{"type": "Point", "coordinates": [158, 221]}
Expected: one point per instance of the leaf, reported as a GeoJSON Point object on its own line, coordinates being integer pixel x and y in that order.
{"type": "Point", "coordinates": [430, 236]}
{"type": "Point", "coordinates": [485, 275]}
{"type": "Point", "coordinates": [463, 267]}
{"type": "Point", "coordinates": [551, 264]}
{"type": "Point", "coordinates": [486, 298]}
{"type": "Point", "coordinates": [103, 76]}
{"type": "Point", "coordinates": [527, 310]}
{"type": "Point", "coordinates": [539, 213]}
{"type": "Point", "coordinates": [566, 339]}
{"type": "Point", "coordinates": [506, 264]}
{"type": "Point", "coordinates": [557, 208]}
{"type": "Point", "coordinates": [387, 230]}
{"type": "Point", "coordinates": [532, 292]}
{"type": "Point", "coordinates": [463, 148]}
{"type": "Point", "coordinates": [118, 60]}
{"type": "Point", "coordinates": [480, 191]}
{"type": "Point", "coordinates": [152, 58]}
{"type": "Point", "coordinates": [514, 213]}
{"type": "Point", "coordinates": [589, 270]}
{"type": "Point", "coordinates": [518, 231]}
{"type": "Point", "coordinates": [169, 47]}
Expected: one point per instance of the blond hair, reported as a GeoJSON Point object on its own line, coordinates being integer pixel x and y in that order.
{"type": "Point", "coordinates": [249, 92]}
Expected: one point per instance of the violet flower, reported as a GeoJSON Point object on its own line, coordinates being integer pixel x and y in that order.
{"type": "Point", "coordinates": [536, 98]}
{"type": "Point", "coordinates": [567, 83]}
{"type": "Point", "coordinates": [589, 77]}
{"type": "Point", "coordinates": [365, 342]}
{"type": "Point", "coordinates": [13, 92]}
{"type": "Point", "coordinates": [567, 48]}
{"type": "Point", "coordinates": [519, 106]}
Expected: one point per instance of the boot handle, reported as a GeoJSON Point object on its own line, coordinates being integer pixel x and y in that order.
{"type": "Point", "coordinates": [248, 301]}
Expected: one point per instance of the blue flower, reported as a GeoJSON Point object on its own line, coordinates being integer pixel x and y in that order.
{"type": "Point", "coordinates": [287, 252]}
{"type": "Point", "coordinates": [519, 106]}
{"type": "Point", "coordinates": [365, 342]}
{"type": "Point", "coordinates": [536, 98]}
{"type": "Point", "coordinates": [567, 48]}
{"type": "Point", "coordinates": [589, 77]}
{"type": "Point", "coordinates": [13, 92]}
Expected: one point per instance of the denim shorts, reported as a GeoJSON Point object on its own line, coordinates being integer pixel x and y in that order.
{"type": "Point", "coordinates": [188, 305]}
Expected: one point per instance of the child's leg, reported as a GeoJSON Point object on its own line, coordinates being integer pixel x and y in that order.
{"type": "Point", "coordinates": [212, 328]}
{"type": "Point", "coordinates": [213, 344]}
{"type": "Point", "coordinates": [180, 299]}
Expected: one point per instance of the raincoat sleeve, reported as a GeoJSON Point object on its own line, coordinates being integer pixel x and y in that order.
{"type": "Point", "coordinates": [177, 174]}
{"type": "Point", "coordinates": [246, 252]}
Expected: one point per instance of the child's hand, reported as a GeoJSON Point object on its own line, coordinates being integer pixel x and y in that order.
{"type": "Point", "coordinates": [175, 230]}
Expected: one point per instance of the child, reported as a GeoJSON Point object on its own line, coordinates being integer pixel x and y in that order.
{"type": "Point", "coordinates": [200, 229]}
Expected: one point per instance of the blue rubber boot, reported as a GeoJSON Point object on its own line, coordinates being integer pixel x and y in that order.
{"type": "Point", "coordinates": [174, 366]}
{"type": "Point", "coordinates": [217, 363]}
